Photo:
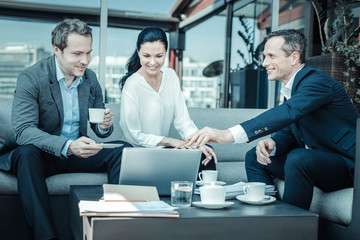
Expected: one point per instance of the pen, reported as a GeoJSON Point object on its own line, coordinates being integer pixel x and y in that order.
{"type": "Point", "coordinates": [181, 145]}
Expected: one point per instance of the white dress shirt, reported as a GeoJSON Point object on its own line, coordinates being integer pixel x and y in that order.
{"type": "Point", "coordinates": [146, 115]}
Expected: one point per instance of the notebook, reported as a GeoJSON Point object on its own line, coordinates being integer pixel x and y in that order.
{"type": "Point", "coordinates": [158, 167]}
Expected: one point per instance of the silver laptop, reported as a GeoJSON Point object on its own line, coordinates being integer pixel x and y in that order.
{"type": "Point", "coordinates": [158, 167]}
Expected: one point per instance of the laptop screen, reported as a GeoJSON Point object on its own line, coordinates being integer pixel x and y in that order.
{"type": "Point", "coordinates": [158, 167]}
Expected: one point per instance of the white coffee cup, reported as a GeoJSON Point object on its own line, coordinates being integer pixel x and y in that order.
{"type": "Point", "coordinates": [96, 115]}
{"type": "Point", "coordinates": [212, 194]}
{"type": "Point", "coordinates": [254, 191]}
{"type": "Point", "coordinates": [208, 176]}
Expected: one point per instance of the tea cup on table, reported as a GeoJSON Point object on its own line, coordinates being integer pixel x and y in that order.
{"type": "Point", "coordinates": [212, 194]}
{"type": "Point", "coordinates": [254, 191]}
{"type": "Point", "coordinates": [208, 176]}
{"type": "Point", "coordinates": [96, 115]}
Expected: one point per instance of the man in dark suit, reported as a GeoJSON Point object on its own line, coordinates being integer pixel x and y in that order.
{"type": "Point", "coordinates": [314, 143]}
{"type": "Point", "coordinates": [49, 116]}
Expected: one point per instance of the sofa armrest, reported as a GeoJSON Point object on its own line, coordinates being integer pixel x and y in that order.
{"type": "Point", "coordinates": [356, 201]}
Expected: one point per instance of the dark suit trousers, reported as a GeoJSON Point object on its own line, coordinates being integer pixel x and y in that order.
{"type": "Point", "coordinates": [210, 166]}
{"type": "Point", "coordinates": [302, 169]}
{"type": "Point", "coordinates": [32, 166]}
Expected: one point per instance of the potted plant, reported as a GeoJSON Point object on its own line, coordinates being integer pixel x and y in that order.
{"type": "Point", "coordinates": [251, 56]}
{"type": "Point", "coordinates": [340, 47]}
{"type": "Point", "coordinates": [248, 83]}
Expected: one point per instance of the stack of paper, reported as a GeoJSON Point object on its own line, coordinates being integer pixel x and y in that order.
{"type": "Point", "coordinates": [128, 201]}
{"type": "Point", "coordinates": [237, 189]}
{"type": "Point", "coordinates": [127, 209]}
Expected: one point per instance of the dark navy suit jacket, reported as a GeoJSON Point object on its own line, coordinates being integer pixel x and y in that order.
{"type": "Point", "coordinates": [319, 114]}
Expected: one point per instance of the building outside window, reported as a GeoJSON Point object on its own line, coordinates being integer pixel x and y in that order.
{"type": "Point", "coordinates": [13, 60]}
{"type": "Point", "coordinates": [204, 44]}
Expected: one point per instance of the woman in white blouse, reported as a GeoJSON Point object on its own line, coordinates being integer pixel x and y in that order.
{"type": "Point", "coordinates": [152, 100]}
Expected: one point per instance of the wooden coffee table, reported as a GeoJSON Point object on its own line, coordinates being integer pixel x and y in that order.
{"type": "Point", "coordinates": [275, 221]}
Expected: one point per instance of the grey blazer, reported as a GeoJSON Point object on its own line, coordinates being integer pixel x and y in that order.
{"type": "Point", "coordinates": [37, 113]}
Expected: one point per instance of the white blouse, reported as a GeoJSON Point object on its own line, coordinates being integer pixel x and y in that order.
{"type": "Point", "coordinates": [146, 115]}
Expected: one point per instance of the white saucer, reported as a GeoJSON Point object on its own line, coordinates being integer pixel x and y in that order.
{"type": "Point", "coordinates": [201, 183]}
{"type": "Point", "coordinates": [266, 200]}
{"type": "Point", "coordinates": [212, 205]}
{"type": "Point", "coordinates": [110, 145]}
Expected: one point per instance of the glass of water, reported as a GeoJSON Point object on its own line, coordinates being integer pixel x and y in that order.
{"type": "Point", "coordinates": [181, 193]}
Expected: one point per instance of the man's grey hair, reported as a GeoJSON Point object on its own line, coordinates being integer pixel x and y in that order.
{"type": "Point", "coordinates": [294, 41]}
{"type": "Point", "coordinates": [63, 29]}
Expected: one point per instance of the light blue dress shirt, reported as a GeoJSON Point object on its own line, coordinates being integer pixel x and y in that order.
{"type": "Point", "coordinates": [70, 100]}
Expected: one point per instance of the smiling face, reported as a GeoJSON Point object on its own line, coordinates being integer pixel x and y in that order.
{"type": "Point", "coordinates": [75, 57]}
{"type": "Point", "coordinates": [279, 66]}
{"type": "Point", "coordinates": [152, 57]}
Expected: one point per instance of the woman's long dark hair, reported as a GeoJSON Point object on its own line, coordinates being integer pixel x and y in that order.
{"type": "Point", "coordinates": [149, 34]}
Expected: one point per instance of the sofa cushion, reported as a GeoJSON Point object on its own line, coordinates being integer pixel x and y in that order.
{"type": "Point", "coordinates": [231, 172]}
{"type": "Point", "coordinates": [223, 118]}
{"type": "Point", "coordinates": [57, 185]}
{"type": "Point", "coordinates": [333, 206]}
{"type": "Point", "coordinates": [60, 184]}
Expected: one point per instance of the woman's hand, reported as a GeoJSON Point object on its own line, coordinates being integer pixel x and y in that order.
{"type": "Point", "coordinates": [173, 142]}
{"type": "Point", "coordinates": [209, 153]}
{"type": "Point", "coordinates": [206, 150]}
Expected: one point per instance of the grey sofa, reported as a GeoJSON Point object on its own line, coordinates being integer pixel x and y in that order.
{"type": "Point", "coordinates": [335, 209]}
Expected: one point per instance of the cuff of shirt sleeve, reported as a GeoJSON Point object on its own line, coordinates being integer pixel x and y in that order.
{"type": "Point", "coordinates": [102, 131]}
{"type": "Point", "coordinates": [239, 134]}
{"type": "Point", "coordinates": [66, 147]}
{"type": "Point", "coordinates": [273, 152]}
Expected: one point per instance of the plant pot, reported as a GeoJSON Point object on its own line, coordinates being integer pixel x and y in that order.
{"type": "Point", "coordinates": [334, 66]}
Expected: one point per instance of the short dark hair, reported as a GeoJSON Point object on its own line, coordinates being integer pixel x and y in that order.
{"type": "Point", "coordinates": [61, 31]}
{"type": "Point", "coordinates": [294, 41]}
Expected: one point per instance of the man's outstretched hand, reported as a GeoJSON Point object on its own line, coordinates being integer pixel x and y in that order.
{"type": "Point", "coordinates": [211, 135]}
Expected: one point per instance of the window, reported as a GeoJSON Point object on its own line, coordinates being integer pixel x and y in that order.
{"type": "Point", "coordinates": [248, 88]}
{"type": "Point", "coordinates": [205, 44]}
{"type": "Point", "coordinates": [18, 52]}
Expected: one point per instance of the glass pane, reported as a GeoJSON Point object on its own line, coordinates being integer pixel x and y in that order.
{"type": "Point", "coordinates": [291, 14]}
{"type": "Point", "coordinates": [119, 50]}
{"type": "Point", "coordinates": [205, 45]}
{"type": "Point", "coordinates": [87, 3]}
{"type": "Point", "coordinates": [248, 79]}
{"type": "Point", "coordinates": [159, 6]}
{"type": "Point", "coordinates": [18, 53]}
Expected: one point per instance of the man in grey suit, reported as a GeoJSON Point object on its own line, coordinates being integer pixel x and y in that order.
{"type": "Point", "coordinates": [50, 112]}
